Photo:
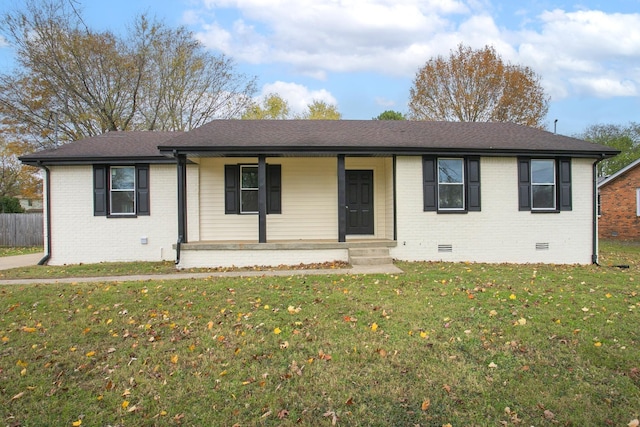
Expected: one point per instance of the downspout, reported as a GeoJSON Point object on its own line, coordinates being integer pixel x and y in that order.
{"type": "Point", "coordinates": [47, 174]}
{"type": "Point", "coordinates": [182, 229]}
{"type": "Point", "coordinates": [594, 255]}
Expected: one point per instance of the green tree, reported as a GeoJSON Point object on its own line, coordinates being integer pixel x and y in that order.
{"type": "Point", "coordinates": [477, 86]}
{"type": "Point", "coordinates": [273, 107]}
{"type": "Point", "coordinates": [625, 138]}
{"type": "Point", "coordinates": [87, 82]}
{"type": "Point", "coordinates": [320, 110]}
{"type": "Point", "coordinates": [10, 205]}
{"type": "Point", "coordinates": [390, 115]}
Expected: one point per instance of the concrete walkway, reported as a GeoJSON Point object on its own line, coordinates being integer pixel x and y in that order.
{"type": "Point", "coordinates": [32, 259]}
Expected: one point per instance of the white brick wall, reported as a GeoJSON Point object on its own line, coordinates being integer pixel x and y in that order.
{"type": "Point", "coordinates": [499, 233]}
{"type": "Point", "coordinates": [80, 237]}
{"type": "Point", "coordinates": [249, 258]}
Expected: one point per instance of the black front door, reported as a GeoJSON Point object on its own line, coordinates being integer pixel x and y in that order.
{"type": "Point", "coordinates": [359, 201]}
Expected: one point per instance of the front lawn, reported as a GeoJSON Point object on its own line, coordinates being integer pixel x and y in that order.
{"type": "Point", "coordinates": [443, 343]}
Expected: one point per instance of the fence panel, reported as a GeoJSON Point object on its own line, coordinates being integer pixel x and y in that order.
{"type": "Point", "coordinates": [21, 229]}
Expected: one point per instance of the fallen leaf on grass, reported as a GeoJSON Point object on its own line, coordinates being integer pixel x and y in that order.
{"type": "Point", "coordinates": [549, 415]}
{"type": "Point", "coordinates": [77, 423]}
{"type": "Point", "coordinates": [447, 388]}
{"type": "Point", "coordinates": [334, 417]}
{"type": "Point", "coordinates": [425, 404]}
{"type": "Point", "coordinates": [17, 396]}
{"type": "Point", "coordinates": [277, 331]}
{"type": "Point", "coordinates": [374, 326]}
{"type": "Point", "coordinates": [634, 423]}
{"type": "Point", "coordinates": [283, 414]}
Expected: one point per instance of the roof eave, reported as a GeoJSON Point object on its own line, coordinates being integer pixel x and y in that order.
{"type": "Point", "coordinates": [70, 161]}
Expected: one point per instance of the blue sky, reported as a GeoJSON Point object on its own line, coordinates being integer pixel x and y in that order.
{"type": "Point", "coordinates": [362, 55]}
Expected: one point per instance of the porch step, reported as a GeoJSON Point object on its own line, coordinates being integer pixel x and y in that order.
{"type": "Point", "coordinates": [369, 256]}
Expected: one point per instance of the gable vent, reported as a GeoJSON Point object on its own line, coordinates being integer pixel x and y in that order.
{"type": "Point", "coordinates": [542, 246]}
{"type": "Point", "coordinates": [445, 248]}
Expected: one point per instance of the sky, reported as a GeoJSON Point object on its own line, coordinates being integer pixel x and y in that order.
{"type": "Point", "coordinates": [363, 55]}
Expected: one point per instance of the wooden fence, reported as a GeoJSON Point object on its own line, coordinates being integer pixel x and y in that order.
{"type": "Point", "coordinates": [25, 229]}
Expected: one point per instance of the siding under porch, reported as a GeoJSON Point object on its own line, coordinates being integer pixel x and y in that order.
{"type": "Point", "coordinates": [237, 253]}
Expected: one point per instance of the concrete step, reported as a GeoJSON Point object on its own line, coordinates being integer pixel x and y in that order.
{"type": "Point", "coordinates": [369, 256]}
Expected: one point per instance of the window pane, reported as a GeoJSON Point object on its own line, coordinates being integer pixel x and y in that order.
{"type": "Point", "coordinates": [543, 196]}
{"type": "Point", "coordinates": [123, 178]}
{"type": "Point", "coordinates": [542, 172]}
{"type": "Point", "coordinates": [249, 201]}
{"type": "Point", "coordinates": [450, 197]}
{"type": "Point", "coordinates": [249, 177]}
{"type": "Point", "coordinates": [450, 170]}
{"type": "Point", "coordinates": [122, 202]}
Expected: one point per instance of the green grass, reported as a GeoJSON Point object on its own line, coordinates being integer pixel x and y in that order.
{"type": "Point", "coordinates": [11, 251]}
{"type": "Point", "coordinates": [443, 343]}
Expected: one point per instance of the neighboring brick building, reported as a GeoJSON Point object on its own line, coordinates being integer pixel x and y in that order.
{"type": "Point", "coordinates": [619, 210]}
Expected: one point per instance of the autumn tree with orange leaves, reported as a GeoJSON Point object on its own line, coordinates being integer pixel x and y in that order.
{"type": "Point", "coordinates": [477, 86]}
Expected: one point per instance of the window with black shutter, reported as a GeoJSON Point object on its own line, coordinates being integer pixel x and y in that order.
{"type": "Point", "coordinates": [451, 184]}
{"type": "Point", "coordinates": [121, 191]}
{"type": "Point", "coordinates": [241, 189]}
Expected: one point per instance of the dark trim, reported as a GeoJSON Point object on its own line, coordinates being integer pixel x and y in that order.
{"type": "Point", "coordinates": [472, 185]}
{"type": "Point", "coordinates": [231, 189]}
{"type": "Point", "coordinates": [182, 199]}
{"type": "Point", "coordinates": [563, 184]}
{"type": "Point", "coordinates": [121, 161]}
{"type": "Point", "coordinates": [262, 199]}
{"type": "Point", "coordinates": [100, 190]}
{"type": "Point", "coordinates": [143, 202]}
{"type": "Point", "coordinates": [395, 200]}
{"type": "Point", "coordinates": [47, 207]}
{"type": "Point", "coordinates": [278, 151]}
{"type": "Point", "coordinates": [342, 199]}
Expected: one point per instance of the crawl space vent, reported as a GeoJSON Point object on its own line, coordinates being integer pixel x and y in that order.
{"type": "Point", "coordinates": [445, 248]}
{"type": "Point", "coordinates": [542, 246]}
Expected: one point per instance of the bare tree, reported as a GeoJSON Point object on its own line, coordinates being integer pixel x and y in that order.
{"type": "Point", "coordinates": [86, 82]}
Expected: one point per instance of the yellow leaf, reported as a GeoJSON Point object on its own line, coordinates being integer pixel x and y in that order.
{"type": "Point", "coordinates": [374, 326]}
{"type": "Point", "coordinates": [163, 413]}
{"type": "Point", "coordinates": [91, 354]}
{"type": "Point", "coordinates": [608, 295]}
{"type": "Point", "coordinates": [125, 404]}
{"type": "Point", "coordinates": [174, 359]}
{"type": "Point", "coordinates": [5, 339]}
{"type": "Point", "coordinates": [425, 404]}
{"type": "Point", "coordinates": [522, 321]}
{"type": "Point", "coordinates": [493, 313]}
{"type": "Point", "coordinates": [28, 329]}
{"type": "Point", "coordinates": [266, 307]}
{"type": "Point", "coordinates": [72, 349]}
{"type": "Point", "coordinates": [277, 331]}
{"type": "Point", "coordinates": [598, 344]}
{"type": "Point", "coordinates": [210, 325]}
{"type": "Point", "coordinates": [21, 364]}
{"type": "Point", "coordinates": [23, 372]}
{"type": "Point", "coordinates": [512, 296]}
{"type": "Point", "coordinates": [423, 335]}
{"type": "Point", "coordinates": [77, 423]}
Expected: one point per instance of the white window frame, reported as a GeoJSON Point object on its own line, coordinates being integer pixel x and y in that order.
{"type": "Point", "coordinates": [123, 190]}
{"type": "Point", "coordinates": [536, 184]}
{"type": "Point", "coordinates": [460, 184]}
{"type": "Point", "coordinates": [243, 189]}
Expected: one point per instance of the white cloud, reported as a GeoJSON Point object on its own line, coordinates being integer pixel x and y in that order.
{"type": "Point", "coordinates": [298, 96]}
{"type": "Point", "coordinates": [3, 42]}
{"type": "Point", "coordinates": [575, 52]}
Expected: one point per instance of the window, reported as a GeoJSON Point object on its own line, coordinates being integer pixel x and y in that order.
{"type": "Point", "coordinates": [451, 184]}
{"type": "Point", "coordinates": [638, 201]}
{"type": "Point", "coordinates": [248, 189]}
{"type": "Point", "coordinates": [121, 191]}
{"type": "Point", "coordinates": [241, 189]}
{"type": "Point", "coordinates": [544, 185]}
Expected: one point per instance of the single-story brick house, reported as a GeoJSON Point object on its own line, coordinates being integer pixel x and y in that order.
{"type": "Point", "coordinates": [619, 204]}
{"type": "Point", "coordinates": [242, 193]}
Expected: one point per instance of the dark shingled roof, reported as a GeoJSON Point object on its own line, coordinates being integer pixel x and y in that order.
{"type": "Point", "coordinates": [119, 147]}
{"type": "Point", "coordinates": [323, 137]}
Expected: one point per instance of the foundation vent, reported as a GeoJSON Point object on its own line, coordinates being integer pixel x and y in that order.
{"type": "Point", "coordinates": [445, 248]}
{"type": "Point", "coordinates": [542, 246]}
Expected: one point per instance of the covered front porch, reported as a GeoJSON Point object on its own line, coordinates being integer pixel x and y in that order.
{"type": "Point", "coordinates": [275, 210]}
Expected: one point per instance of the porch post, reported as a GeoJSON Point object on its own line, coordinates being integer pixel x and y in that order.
{"type": "Point", "coordinates": [182, 198]}
{"type": "Point", "coordinates": [262, 199]}
{"type": "Point", "coordinates": [342, 200]}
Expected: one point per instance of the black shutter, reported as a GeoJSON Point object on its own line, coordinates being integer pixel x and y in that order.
{"type": "Point", "coordinates": [142, 190]}
{"type": "Point", "coordinates": [100, 190]}
{"type": "Point", "coordinates": [473, 184]}
{"type": "Point", "coordinates": [429, 183]}
{"type": "Point", "coordinates": [231, 189]}
{"type": "Point", "coordinates": [274, 189]}
{"type": "Point", "coordinates": [524, 184]}
{"type": "Point", "coordinates": [564, 177]}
